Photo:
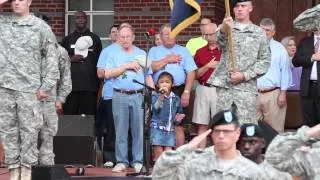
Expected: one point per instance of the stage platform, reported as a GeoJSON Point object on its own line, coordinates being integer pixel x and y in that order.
{"type": "Point", "coordinates": [90, 174]}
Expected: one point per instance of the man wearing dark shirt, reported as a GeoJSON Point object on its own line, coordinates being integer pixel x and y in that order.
{"type": "Point", "coordinates": [206, 58]}
{"type": "Point", "coordinates": [82, 99]}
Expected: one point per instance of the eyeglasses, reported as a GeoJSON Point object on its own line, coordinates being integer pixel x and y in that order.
{"type": "Point", "coordinates": [217, 132]}
{"type": "Point", "coordinates": [211, 34]}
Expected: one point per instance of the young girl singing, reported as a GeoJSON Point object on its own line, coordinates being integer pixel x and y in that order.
{"type": "Point", "coordinates": [166, 111]}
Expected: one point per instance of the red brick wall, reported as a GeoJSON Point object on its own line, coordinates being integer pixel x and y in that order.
{"type": "Point", "coordinates": [54, 9]}
{"type": "Point", "coordinates": [144, 14]}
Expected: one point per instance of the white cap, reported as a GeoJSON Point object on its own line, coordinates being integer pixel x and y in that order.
{"type": "Point", "coordinates": [141, 60]}
{"type": "Point", "coordinates": [82, 46]}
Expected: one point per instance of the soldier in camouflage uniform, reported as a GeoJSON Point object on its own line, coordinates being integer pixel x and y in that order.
{"type": "Point", "coordinates": [219, 162]}
{"type": "Point", "coordinates": [251, 143]}
{"type": "Point", "coordinates": [297, 153]}
{"type": "Point", "coordinates": [252, 59]}
{"type": "Point", "coordinates": [52, 105]}
{"type": "Point", "coordinates": [25, 40]}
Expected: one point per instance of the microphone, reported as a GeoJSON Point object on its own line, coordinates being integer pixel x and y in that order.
{"type": "Point", "coordinates": [142, 84]}
{"type": "Point", "coordinates": [162, 91]}
{"type": "Point", "coordinates": [147, 36]}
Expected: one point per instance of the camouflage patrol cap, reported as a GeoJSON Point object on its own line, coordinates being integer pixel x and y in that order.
{"type": "Point", "coordinates": [224, 117]}
{"type": "Point", "coordinates": [234, 2]}
{"type": "Point", "coordinates": [251, 130]}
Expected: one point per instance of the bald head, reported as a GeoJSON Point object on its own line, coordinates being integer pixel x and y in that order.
{"type": "Point", "coordinates": [209, 33]}
{"type": "Point", "coordinates": [204, 21]}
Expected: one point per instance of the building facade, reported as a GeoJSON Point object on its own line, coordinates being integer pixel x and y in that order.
{"type": "Point", "coordinates": [145, 14]}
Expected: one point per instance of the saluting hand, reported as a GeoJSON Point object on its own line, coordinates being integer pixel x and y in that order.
{"type": "Point", "coordinates": [314, 131]}
{"type": "Point", "coordinates": [3, 1]}
{"type": "Point", "coordinates": [195, 142]}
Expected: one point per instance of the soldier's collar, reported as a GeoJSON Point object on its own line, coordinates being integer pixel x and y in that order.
{"type": "Point", "coordinates": [27, 20]}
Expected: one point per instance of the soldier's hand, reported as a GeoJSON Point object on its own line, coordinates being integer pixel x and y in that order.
{"type": "Point", "coordinates": [59, 107]}
{"type": "Point", "coordinates": [76, 58]}
{"type": "Point", "coordinates": [41, 95]}
{"type": "Point", "coordinates": [132, 66]}
{"type": "Point", "coordinates": [314, 131]}
{"type": "Point", "coordinates": [212, 63]}
{"type": "Point", "coordinates": [3, 1]}
{"type": "Point", "coordinates": [195, 142]}
{"type": "Point", "coordinates": [237, 77]}
{"type": "Point", "coordinates": [226, 24]}
{"type": "Point", "coordinates": [316, 56]}
{"type": "Point", "coordinates": [174, 58]}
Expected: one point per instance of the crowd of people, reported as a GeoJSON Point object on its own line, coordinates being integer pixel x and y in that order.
{"type": "Point", "coordinates": [231, 96]}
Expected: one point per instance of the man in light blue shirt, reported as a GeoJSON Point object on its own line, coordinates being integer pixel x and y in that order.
{"type": "Point", "coordinates": [272, 87]}
{"type": "Point", "coordinates": [104, 118]}
{"type": "Point", "coordinates": [178, 61]}
{"type": "Point", "coordinates": [127, 98]}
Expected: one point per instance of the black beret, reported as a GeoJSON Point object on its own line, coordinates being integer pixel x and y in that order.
{"type": "Point", "coordinates": [251, 130]}
{"type": "Point", "coordinates": [234, 2]}
{"type": "Point", "coordinates": [223, 117]}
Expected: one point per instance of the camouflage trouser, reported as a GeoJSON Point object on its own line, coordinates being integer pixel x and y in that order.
{"type": "Point", "coordinates": [244, 100]}
{"type": "Point", "coordinates": [20, 123]}
{"type": "Point", "coordinates": [48, 131]}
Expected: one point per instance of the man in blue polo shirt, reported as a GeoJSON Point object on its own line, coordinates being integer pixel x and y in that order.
{"type": "Point", "coordinates": [178, 61]}
{"type": "Point", "coordinates": [104, 118]}
{"type": "Point", "coordinates": [127, 99]}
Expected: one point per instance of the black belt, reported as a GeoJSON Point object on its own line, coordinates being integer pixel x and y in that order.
{"type": "Point", "coordinates": [267, 90]}
{"type": "Point", "coordinates": [206, 84]}
{"type": "Point", "coordinates": [128, 91]}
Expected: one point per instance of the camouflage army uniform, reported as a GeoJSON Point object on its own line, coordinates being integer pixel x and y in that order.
{"type": "Point", "coordinates": [184, 164]}
{"type": "Point", "coordinates": [24, 42]}
{"type": "Point", "coordinates": [284, 154]}
{"type": "Point", "coordinates": [50, 117]}
{"type": "Point", "coordinates": [252, 58]}
{"type": "Point", "coordinates": [274, 174]}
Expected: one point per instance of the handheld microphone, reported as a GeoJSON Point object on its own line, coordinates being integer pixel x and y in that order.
{"type": "Point", "coordinates": [162, 91]}
{"type": "Point", "coordinates": [147, 36]}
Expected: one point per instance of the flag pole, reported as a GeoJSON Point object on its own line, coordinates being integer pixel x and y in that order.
{"type": "Point", "coordinates": [230, 37]}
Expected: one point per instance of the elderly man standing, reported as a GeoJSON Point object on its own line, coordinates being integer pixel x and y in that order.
{"type": "Point", "coordinates": [252, 58]}
{"type": "Point", "coordinates": [127, 99]}
{"type": "Point", "coordinates": [25, 42]}
{"type": "Point", "coordinates": [273, 86]}
{"type": "Point", "coordinates": [196, 43]}
{"type": "Point", "coordinates": [176, 60]}
{"type": "Point", "coordinates": [207, 59]}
